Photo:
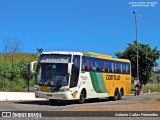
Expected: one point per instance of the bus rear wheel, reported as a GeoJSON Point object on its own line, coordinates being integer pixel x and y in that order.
{"type": "Point", "coordinates": [120, 95]}
{"type": "Point", "coordinates": [82, 97]}
{"type": "Point", "coordinates": [115, 97]}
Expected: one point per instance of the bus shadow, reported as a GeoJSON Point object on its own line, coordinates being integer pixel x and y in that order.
{"type": "Point", "coordinates": [38, 102]}
{"type": "Point", "coordinates": [61, 102]}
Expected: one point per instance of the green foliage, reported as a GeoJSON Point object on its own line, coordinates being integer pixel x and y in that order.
{"type": "Point", "coordinates": [9, 71]}
{"type": "Point", "coordinates": [24, 71]}
{"type": "Point", "coordinates": [5, 71]}
{"type": "Point", "coordinates": [14, 71]}
{"type": "Point", "coordinates": [4, 84]}
{"type": "Point", "coordinates": [13, 76]}
{"type": "Point", "coordinates": [147, 59]}
{"type": "Point", "coordinates": [31, 82]}
{"type": "Point", "coordinates": [17, 85]}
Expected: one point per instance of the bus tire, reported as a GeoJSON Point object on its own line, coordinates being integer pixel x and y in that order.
{"type": "Point", "coordinates": [115, 97]}
{"type": "Point", "coordinates": [120, 95]}
{"type": "Point", "coordinates": [52, 101]}
{"type": "Point", "coordinates": [82, 97]}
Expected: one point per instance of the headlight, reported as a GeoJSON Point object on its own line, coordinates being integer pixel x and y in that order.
{"type": "Point", "coordinates": [36, 88]}
{"type": "Point", "coordinates": [64, 90]}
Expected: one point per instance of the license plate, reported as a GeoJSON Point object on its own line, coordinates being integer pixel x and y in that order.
{"type": "Point", "coordinates": [43, 88]}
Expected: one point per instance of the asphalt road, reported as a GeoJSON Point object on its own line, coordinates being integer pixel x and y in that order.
{"type": "Point", "coordinates": [71, 110]}
{"type": "Point", "coordinates": [43, 105]}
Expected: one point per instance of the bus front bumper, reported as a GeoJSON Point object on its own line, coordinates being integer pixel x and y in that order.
{"type": "Point", "coordinates": [58, 96]}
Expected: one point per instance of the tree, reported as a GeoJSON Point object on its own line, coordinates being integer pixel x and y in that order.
{"type": "Point", "coordinates": [39, 51]}
{"type": "Point", "coordinates": [11, 47]}
{"type": "Point", "coordinates": [147, 60]}
{"type": "Point", "coordinates": [15, 46]}
{"type": "Point", "coordinates": [24, 72]}
{"type": "Point", "coordinates": [6, 49]}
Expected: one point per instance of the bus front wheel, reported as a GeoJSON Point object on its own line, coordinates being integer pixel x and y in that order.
{"type": "Point", "coordinates": [82, 97]}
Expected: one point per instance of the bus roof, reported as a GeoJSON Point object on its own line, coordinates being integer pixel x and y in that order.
{"type": "Point", "coordinates": [63, 52]}
{"type": "Point", "coordinates": [89, 54]}
{"type": "Point", "coordinates": [103, 56]}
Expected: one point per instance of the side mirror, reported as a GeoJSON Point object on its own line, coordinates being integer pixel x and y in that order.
{"type": "Point", "coordinates": [69, 67]}
{"type": "Point", "coordinates": [31, 66]}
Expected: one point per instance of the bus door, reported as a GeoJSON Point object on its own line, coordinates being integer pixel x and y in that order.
{"type": "Point", "coordinates": [75, 71]}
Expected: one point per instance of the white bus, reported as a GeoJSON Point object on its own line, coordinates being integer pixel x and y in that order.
{"type": "Point", "coordinates": [80, 76]}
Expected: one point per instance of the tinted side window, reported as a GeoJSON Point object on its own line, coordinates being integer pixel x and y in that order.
{"type": "Point", "coordinates": [86, 63]}
{"type": "Point", "coordinates": [118, 67]}
{"type": "Point", "coordinates": [98, 64]}
{"type": "Point", "coordinates": [124, 68]}
{"type": "Point", "coordinates": [121, 69]}
{"type": "Point", "coordinates": [128, 68]}
{"type": "Point", "coordinates": [102, 65]}
{"type": "Point", "coordinates": [93, 64]}
{"type": "Point", "coordinates": [108, 66]}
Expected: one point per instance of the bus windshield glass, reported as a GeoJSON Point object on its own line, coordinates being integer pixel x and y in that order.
{"type": "Point", "coordinates": [52, 74]}
{"type": "Point", "coordinates": [52, 70]}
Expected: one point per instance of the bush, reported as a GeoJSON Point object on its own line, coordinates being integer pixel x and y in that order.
{"type": "Point", "coordinates": [4, 84]}
{"type": "Point", "coordinates": [5, 71]}
{"type": "Point", "coordinates": [14, 77]}
{"type": "Point", "coordinates": [17, 85]}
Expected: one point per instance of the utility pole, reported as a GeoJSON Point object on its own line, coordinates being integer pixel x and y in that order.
{"type": "Point", "coordinates": [136, 23]}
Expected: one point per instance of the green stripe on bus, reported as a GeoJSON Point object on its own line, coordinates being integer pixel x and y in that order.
{"type": "Point", "coordinates": [101, 82]}
{"type": "Point", "coordinates": [95, 82]}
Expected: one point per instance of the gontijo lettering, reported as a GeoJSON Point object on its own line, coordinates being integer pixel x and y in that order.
{"type": "Point", "coordinates": [113, 77]}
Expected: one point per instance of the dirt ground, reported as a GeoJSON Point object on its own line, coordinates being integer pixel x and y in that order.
{"type": "Point", "coordinates": [151, 105]}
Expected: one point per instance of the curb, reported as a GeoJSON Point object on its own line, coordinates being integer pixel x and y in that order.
{"type": "Point", "coordinates": [18, 96]}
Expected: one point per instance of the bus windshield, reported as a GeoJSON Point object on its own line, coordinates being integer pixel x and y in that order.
{"type": "Point", "coordinates": [52, 74]}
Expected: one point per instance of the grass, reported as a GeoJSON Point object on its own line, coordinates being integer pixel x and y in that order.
{"type": "Point", "coordinates": [15, 86]}
{"type": "Point", "coordinates": [145, 89]}
{"type": "Point", "coordinates": [20, 56]}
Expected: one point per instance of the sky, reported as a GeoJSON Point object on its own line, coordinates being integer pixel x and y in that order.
{"type": "Point", "coordinates": [102, 26]}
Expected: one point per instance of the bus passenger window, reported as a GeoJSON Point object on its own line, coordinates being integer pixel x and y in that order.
{"type": "Point", "coordinates": [104, 67]}
{"type": "Point", "coordinates": [127, 68]}
{"type": "Point", "coordinates": [88, 65]}
{"type": "Point", "coordinates": [115, 68]}
{"type": "Point", "coordinates": [112, 67]}
{"type": "Point", "coordinates": [97, 64]}
{"type": "Point", "coordinates": [93, 65]}
{"type": "Point", "coordinates": [109, 67]}
{"type": "Point", "coordinates": [124, 68]}
{"type": "Point", "coordinates": [84, 64]}
{"type": "Point", "coordinates": [118, 68]}
{"type": "Point", "coordinates": [121, 69]}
